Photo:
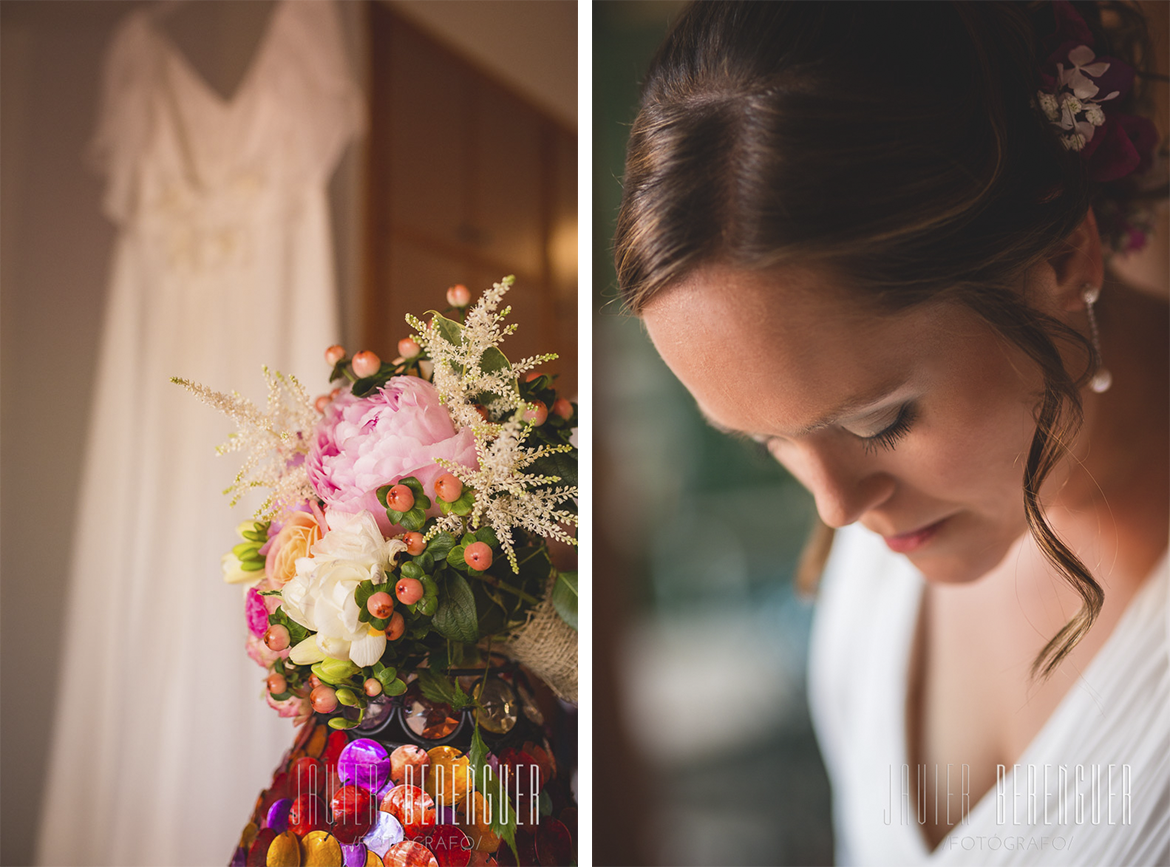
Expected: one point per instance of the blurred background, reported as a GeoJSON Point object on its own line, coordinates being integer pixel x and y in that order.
{"type": "Point", "coordinates": [704, 749]}
{"type": "Point", "coordinates": [466, 172]}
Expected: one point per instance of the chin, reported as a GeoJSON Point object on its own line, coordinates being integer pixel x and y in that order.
{"type": "Point", "coordinates": [959, 567]}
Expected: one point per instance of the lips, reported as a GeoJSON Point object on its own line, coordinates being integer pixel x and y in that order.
{"type": "Point", "coordinates": [905, 543]}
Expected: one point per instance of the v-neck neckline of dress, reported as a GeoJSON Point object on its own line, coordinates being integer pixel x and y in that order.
{"type": "Point", "coordinates": [227, 105]}
{"type": "Point", "coordinates": [909, 660]}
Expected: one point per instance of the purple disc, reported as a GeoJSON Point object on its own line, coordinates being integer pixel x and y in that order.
{"type": "Point", "coordinates": [278, 815]}
{"type": "Point", "coordinates": [364, 763]}
{"type": "Point", "coordinates": [385, 790]}
{"type": "Point", "coordinates": [446, 815]}
{"type": "Point", "coordinates": [386, 832]}
{"type": "Point", "coordinates": [354, 854]}
{"type": "Point", "coordinates": [240, 858]}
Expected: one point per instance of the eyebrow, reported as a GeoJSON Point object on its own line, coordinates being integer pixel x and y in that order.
{"type": "Point", "coordinates": [848, 407]}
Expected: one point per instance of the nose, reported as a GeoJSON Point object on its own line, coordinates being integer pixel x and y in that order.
{"type": "Point", "coordinates": [845, 488]}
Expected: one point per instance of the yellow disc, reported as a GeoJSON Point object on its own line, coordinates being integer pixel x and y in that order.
{"type": "Point", "coordinates": [372, 859]}
{"type": "Point", "coordinates": [285, 851]}
{"type": "Point", "coordinates": [321, 849]}
{"type": "Point", "coordinates": [447, 776]}
{"type": "Point", "coordinates": [248, 835]}
{"type": "Point", "coordinates": [316, 744]}
{"type": "Point", "coordinates": [475, 818]}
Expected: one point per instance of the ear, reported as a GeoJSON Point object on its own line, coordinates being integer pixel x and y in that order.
{"type": "Point", "coordinates": [1077, 261]}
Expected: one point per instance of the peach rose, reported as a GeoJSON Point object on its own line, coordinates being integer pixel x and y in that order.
{"type": "Point", "coordinates": [299, 533]}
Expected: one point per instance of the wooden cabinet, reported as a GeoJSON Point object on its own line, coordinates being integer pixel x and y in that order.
{"type": "Point", "coordinates": [468, 182]}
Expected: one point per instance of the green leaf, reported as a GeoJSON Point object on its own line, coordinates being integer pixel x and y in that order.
{"type": "Point", "coordinates": [493, 360]}
{"type": "Point", "coordinates": [436, 687]}
{"type": "Point", "coordinates": [455, 617]}
{"type": "Point", "coordinates": [440, 546]}
{"type": "Point", "coordinates": [396, 687]}
{"type": "Point", "coordinates": [386, 676]}
{"type": "Point", "coordinates": [347, 697]}
{"type": "Point", "coordinates": [360, 389]}
{"type": "Point", "coordinates": [427, 606]}
{"type": "Point", "coordinates": [412, 570]}
{"type": "Point", "coordinates": [251, 565]}
{"type": "Point", "coordinates": [560, 464]}
{"type": "Point", "coordinates": [455, 556]}
{"type": "Point", "coordinates": [450, 330]}
{"type": "Point", "coordinates": [363, 592]}
{"type": "Point", "coordinates": [564, 597]}
{"type": "Point", "coordinates": [493, 789]}
{"type": "Point", "coordinates": [341, 723]}
{"type": "Point", "coordinates": [488, 536]}
{"type": "Point", "coordinates": [269, 592]}
{"type": "Point", "coordinates": [426, 562]}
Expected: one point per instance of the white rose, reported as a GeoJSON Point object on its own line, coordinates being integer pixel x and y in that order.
{"type": "Point", "coordinates": [320, 596]}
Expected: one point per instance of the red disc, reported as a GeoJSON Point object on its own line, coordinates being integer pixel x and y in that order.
{"type": "Point", "coordinates": [307, 814]}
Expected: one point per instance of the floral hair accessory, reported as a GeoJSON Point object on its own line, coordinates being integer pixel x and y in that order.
{"type": "Point", "coordinates": [1078, 96]}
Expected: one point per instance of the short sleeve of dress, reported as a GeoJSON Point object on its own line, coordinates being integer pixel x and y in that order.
{"type": "Point", "coordinates": [320, 80]}
{"type": "Point", "coordinates": [124, 117]}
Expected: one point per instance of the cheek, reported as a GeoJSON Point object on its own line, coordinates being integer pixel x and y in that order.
{"type": "Point", "coordinates": [975, 443]}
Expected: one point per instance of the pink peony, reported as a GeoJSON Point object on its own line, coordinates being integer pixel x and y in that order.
{"type": "Point", "coordinates": [364, 443]}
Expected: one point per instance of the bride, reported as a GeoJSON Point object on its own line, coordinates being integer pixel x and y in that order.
{"type": "Point", "coordinates": [898, 219]}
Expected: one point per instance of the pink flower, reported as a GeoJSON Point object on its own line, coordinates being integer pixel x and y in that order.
{"type": "Point", "coordinates": [295, 706]}
{"type": "Point", "coordinates": [364, 443]}
{"type": "Point", "coordinates": [256, 613]}
{"type": "Point", "coordinates": [260, 654]}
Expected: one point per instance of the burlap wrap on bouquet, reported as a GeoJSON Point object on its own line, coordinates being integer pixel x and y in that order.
{"type": "Point", "coordinates": [547, 646]}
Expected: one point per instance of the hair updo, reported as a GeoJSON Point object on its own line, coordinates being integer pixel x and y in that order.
{"type": "Point", "coordinates": [899, 141]}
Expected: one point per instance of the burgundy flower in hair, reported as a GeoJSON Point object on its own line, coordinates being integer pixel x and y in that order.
{"type": "Point", "coordinates": [1078, 94]}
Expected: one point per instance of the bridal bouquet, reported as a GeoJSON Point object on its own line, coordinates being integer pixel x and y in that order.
{"type": "Point", "coordinates": [402, 550]}
{"type": "Point", "coordinates": [407, 526]}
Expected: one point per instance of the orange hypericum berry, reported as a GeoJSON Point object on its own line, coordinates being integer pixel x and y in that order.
{"type": "Point", "coordinates": [448, 488]}
{"type": "Point", "coordinates": [478, 555]}
{"type": "Point", "coordinates": [366, 364]}
{"type": "Point", "coordinates": [400, 498]}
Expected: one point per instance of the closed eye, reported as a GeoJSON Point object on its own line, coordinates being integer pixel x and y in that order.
{"type": "Point", "coordinates": [889, 437]}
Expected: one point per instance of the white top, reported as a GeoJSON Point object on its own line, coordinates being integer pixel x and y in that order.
{"type": "Point", "coordinates": [223, 263]}
{"type": "Point", "coordinates": [1115, 720]}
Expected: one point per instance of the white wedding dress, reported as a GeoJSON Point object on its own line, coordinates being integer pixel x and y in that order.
{"type": "Point", "coordinates": [1117, 713]}
{"type": "Point", "coordinates": [223, 263]}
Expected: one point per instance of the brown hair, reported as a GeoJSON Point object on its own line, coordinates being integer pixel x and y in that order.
{"type": "Point", "coordinates": [899, 139]}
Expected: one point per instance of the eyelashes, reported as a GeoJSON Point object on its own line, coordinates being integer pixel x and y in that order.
{"type": "Point", "coordinates": [889, 437]}
{"type": "Point", "coordinates": [885, 439]}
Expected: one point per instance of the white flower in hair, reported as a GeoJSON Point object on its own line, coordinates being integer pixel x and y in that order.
{"type": "Point", "coordinates": [1076, 78]}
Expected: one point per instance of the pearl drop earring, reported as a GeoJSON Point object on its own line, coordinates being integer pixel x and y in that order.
{"type": "Point", "coordinates": [1102, 379]}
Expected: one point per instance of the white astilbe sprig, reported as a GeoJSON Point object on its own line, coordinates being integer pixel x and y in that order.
{"type": "Point", "coordinates": [272, 438]}
{"type": "Point", "coordinates": [472, 377]}
{"type": "Point", "coordinates": [505, 497]}
{"type": "Point", "coordinates": [468, 370]}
